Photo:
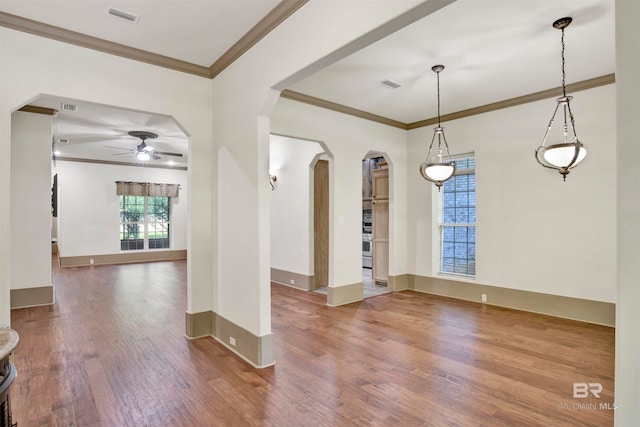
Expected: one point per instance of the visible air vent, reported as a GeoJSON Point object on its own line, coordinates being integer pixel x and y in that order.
{"type": "Point", "coordinates": [63, 141]}
{"type": "Point", "coordinates": [390, 84]}
{"type": "Point", "coordinates": [68, 107]}
{"type": "Point", "coordinates": [131, 17]}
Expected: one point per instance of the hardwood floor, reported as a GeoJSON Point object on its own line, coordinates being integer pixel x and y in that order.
{"type": "Point", "coordinates": [111, 352]}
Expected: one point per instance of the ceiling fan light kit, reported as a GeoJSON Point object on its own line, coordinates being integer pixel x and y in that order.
{"type": "Point", "coordinates": [567, 154]}
{"type": "Point", "coordinates": [438, 166]}
{"type": "Point", "coordinates": [143, 151]}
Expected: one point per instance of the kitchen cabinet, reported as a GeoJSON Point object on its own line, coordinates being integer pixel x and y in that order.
{"type": "Point", "coordinates": [380, 181]}
{"type": "Point", "coordinates": [368, 166]}
{"type": "Point", "coordinates": [380, 178]}
{"type": "Point", "coordinates": [367, 188]}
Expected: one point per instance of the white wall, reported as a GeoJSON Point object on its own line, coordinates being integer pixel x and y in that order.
{"type": "Point", "coordinates": [88, 75]}
{"type": "Point", "coordinates": [30, 200]}
{"type": "Point", "coordinates": [534, 231]}
{"type": "Point", "coordinates": [89, 209]}
{"type": "Point", "coordinates": [350, 139]}
{"type": "Point", "coordinates": [291, 204]}
{"type": "Point", "coordinates": [245, 98]}
{"type": "Point", "coordinates": [627, 392]}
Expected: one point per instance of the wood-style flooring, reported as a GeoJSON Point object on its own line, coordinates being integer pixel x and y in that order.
{"type": "Point", "coordinates": [111, 352]}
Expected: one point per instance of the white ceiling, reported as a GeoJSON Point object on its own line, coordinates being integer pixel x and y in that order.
{"type": "Point", "coordinates": [196, 31]}
{"type": "Point", "coordinates": [492, 50]}
{"type": "Point", "coordinates": [100, 132]}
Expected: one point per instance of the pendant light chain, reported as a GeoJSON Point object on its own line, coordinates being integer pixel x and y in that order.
{"type": "Point", "coordinates": [438, 78]}
{"type": "Point", "coordinates": [564, 89]}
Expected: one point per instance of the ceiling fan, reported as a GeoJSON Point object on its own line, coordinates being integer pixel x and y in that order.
{"type": "Point", "coordinates": [143, 151]}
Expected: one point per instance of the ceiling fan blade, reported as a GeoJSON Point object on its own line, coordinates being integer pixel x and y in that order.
{"type": "Point", "coordinates": [168, 154]}
{"type": "Point", "coordinates": [122, 154]}
{"type": "Point", "coordinates": [155, 156]}
{"type": "Point", "coordinates": [119, 148]}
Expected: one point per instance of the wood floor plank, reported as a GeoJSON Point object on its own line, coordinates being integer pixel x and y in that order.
{"type": "Point", "coordinates": [112, 352]}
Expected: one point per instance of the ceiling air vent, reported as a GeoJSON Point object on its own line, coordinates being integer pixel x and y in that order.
{"type": "Point", "coordinates": [63, 141]}
{"type": "Point", "coordinates": [390, 84]}
{"type": "Point", "coordinates": [131, 17]}
{"type": "Point", "coordinates": [68, 107]}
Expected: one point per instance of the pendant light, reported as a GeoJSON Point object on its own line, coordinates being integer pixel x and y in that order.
{"type": "Point", "coordinates": [438, 167]}
{"type": "Point", "coordinates": [567, 154]}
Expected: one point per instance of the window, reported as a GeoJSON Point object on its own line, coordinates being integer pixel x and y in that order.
{"type": "Point", "coordinates": [144, 222]}
{"type": "Point", "coordinates": [457, 220]}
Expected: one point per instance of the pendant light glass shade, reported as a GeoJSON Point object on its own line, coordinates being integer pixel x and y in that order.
{"type": "Point", "coordinates": [560, 155]}
{"type": "Point", "coordinates": [438, 166]}
{"type": "Point", "coordinates": [438, 172]}
{"type": "Point", "coordinates": [569, 151]}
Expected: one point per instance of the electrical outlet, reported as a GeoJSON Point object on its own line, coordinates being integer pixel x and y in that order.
{"type": "Point", "coordinates": [484, 297]}
{"type": "Point", "coordinates": [91, 261]}
{"type": "Point", "coordinates": [232, 341]}
{"type": "Point", "coordinates": [293, 282]}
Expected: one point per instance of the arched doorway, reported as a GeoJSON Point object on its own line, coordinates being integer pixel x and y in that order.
{"type": "Point", "coordinates": [375, 225]}
{"type": "Point", "coordinates": [82, 148]}
{"type": "Point", "coordinates": [300, 213]}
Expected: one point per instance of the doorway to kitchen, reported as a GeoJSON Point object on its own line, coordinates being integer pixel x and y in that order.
{"type": "Point", "coordinates": [375, 225]}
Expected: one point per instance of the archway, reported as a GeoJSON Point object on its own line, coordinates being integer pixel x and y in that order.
{"type": "Point", "coordinates": [300, 213]}
{"type": "Point", "coordinates": [375, 224]}
{"type": "Point", "coordinates": [86, 147]}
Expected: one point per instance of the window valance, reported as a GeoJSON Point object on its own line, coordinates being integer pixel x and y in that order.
{"type": "Point", "coordinates": [127, 188]}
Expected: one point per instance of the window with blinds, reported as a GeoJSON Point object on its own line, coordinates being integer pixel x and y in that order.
{"type": "Point", "coordinates": [456, 216]}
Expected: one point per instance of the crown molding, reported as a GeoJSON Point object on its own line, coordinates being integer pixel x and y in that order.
{"type": "Point", "coordinates": [275, 17]}
{"type": "Point", "coordinates": [38, 110]}
{"type": "Point", "coordinates": [322, 103]}
{"type": "Point", "coordinates": [508, 103]}
{"type": "Point", "coordinates": [525, 99]}
{"type": "Point", "coordinates": [106, 162]}
{"type": "Point", "coordinates": [60, 34]}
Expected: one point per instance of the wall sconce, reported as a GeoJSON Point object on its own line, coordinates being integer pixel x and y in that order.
{"type": "Point", "coordinates": [272, 180]}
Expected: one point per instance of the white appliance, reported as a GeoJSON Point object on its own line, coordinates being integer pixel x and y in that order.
{"type": "Point", "coordinates": [367, 250]}
{"type": "Point", "coordinates": [367, 241]}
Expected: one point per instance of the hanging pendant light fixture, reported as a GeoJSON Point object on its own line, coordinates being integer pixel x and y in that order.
{"type": "Point", "coordinates": [438, 167]}
{"type": "Point", "coordinates": [562, 156]}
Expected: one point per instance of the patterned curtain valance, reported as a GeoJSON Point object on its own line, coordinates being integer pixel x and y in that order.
{"type": "Point", "coordinates": [126, 188]}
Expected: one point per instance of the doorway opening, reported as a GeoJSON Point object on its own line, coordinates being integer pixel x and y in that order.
{"type": "Point", "coordinates": [80, 149]}
{"type": "Point", "coordinates": [300, 213]}
{"type": "Point", "coordinates": [375, 225]}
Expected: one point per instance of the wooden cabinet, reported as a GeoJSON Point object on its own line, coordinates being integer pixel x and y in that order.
{"type": "Point", "coordinates": [368, 166]}
{"type": "Point", "coordinates": [380, 178]}
{"type": "Point", "coordinates": [381, 226]}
